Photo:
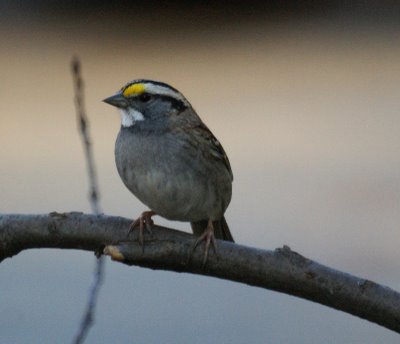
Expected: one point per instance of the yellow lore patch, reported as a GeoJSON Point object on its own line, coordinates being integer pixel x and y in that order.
{"type": "Point", "coordinates": [133, 90]}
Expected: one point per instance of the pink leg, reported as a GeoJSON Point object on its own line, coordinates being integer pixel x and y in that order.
{"type": "Point", "coordinates": [209, 238]}
{"type": "Point", "coordinates": [143, 220]}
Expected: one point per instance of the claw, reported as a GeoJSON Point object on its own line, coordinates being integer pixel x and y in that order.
{"type": "Point", "coordinates": [143, 220]}
{"type": "Point", "coordinates": [209, 238]}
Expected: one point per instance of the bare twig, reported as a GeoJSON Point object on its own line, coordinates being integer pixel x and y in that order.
{"type": "Point", "coordinates": [83, 124]}
{"type": "Point", "coordinates": [282, 270]}
{"type": "Point", "coordinates": [82, 120]}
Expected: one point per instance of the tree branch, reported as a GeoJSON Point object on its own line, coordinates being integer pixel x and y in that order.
{"type": "Point", "coordinates": [282, 270]}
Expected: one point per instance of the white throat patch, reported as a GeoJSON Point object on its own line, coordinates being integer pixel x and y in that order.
{"type": "Point", "coordinates": [130, 116]}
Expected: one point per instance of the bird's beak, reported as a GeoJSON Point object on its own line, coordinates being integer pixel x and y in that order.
{"type": "Point", "coordinates": [117, 100]}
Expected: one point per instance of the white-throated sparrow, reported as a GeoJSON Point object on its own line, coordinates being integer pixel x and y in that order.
{"type": "Point", "coordinates": [168, 158]}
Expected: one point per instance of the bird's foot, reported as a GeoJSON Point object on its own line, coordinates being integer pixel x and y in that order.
{"type": "Point", "coordinates": [144, 221]}
{"type": "Point", "coordinates": [209, 239]}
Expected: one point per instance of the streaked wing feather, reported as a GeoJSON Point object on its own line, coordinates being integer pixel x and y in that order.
{"type": "Point", "coordinates": [216, 149]}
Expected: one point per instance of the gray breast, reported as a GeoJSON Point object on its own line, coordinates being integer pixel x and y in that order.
{"type": "Point", "coordinates": [171, 179]}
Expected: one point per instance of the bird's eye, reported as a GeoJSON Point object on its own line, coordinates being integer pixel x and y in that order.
{"type": "Point", "coordinates": [145, 97]}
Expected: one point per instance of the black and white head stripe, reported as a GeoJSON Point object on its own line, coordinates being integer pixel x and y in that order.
{"type": "Point", "coordinates": [140, 86]}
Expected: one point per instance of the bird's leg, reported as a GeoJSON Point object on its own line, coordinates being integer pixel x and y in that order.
{"type": "Point", "coordinates": [209, 238]}
{"type": "Point", "coordinates": [143, 220]}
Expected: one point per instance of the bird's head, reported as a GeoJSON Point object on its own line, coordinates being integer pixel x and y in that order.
{"type": "Point", "coordinates": [147, 101]}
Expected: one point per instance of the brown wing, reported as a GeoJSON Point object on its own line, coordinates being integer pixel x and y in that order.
{"type": "Point", "coordinates": [189, 124]}
{"type": "Point", "coordinates": [215, 147]}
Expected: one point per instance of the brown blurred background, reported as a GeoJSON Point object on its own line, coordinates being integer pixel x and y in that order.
{"type": "Point", "coordinates": [304, 97]}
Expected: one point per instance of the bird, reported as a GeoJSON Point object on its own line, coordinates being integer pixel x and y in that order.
{"type": "Point", "coordinates": [169, 159]}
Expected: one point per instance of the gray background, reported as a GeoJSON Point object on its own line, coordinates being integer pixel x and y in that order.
{"type": "Point", "coordinates": [305, 100]}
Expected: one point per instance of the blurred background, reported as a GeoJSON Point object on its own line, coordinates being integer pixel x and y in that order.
{"type": "Point", "coordinates": [304, 97]}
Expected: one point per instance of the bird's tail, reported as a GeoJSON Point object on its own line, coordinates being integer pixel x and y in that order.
{"type": "Point", "coordinates": [221, 229]}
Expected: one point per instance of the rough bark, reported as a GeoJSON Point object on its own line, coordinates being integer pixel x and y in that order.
{"type": "Point", "coordinates": [282, 270]}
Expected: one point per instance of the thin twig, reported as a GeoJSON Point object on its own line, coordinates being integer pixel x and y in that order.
{"type": "Point", "coordinates": [83, 124]}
